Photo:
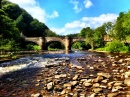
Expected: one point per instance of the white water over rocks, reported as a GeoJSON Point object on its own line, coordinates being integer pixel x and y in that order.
{"type": "Point", "coordinates": [30, 62]}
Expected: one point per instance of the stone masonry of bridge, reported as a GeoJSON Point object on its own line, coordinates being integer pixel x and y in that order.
{"type": "Point", "coordinates": [66, 41]}
{"type": "Point", "coordinates": [42, 41]}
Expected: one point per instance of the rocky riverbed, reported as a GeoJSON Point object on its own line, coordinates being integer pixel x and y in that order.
{"type": "Point", "coordinates": [92, 76]}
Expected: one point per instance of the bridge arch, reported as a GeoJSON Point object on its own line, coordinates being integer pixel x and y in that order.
{"type": "Point", "coordinates": [74, 40]}
{"type": "Point", "coordinates": [58, 43]}
{"type": "Point", "coordinates": [37, 40]}
{"type": "Point", "coordinates": [52, 39]}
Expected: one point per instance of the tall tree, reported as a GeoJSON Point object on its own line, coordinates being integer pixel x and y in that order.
{"type": "Point", "coordinates": [99, 36]}
{"type": "Point", "coordinates": [88, 33]}
{"type": "Point", "coordinates": [126, 23]}
{"type": "Point", "coordinates": [7, 27]}
{"type": "Point", "coordinates": [119, 32]}
{"type": "Point", "coordinates": [108, 27]}
{"type": "Point", "coordinates": [38, 28]}
{"type": "Point", "coordinates": [13, 11]}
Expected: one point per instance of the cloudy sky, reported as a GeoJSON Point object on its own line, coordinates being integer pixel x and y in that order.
{"type": "Point", "coordinates": [70, 16]}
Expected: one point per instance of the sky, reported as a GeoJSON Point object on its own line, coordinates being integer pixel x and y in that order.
{"type": "Point", "coordinates": [71, 16]}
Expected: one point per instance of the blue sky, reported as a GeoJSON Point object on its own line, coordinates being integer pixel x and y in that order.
{"type": "Point", "coordinates": [70, 16]}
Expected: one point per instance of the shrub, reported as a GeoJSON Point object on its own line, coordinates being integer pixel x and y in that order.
{"type": "Point", "coordinates": [33, 47]}
{"type": "Point", "coordinates": [116, 46]}
{"type": "Point", "coordinates": [30, 46]}
{"type": "Point", "coordinates": [36, 47]}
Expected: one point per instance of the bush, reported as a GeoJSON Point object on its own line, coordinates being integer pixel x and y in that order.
{"type": "Point", "coordinates": [8, 45]}
{"type": "Point", "coordinates": [33, 47]}
{"type": "Point", "coordinates": [36, 47]}
{"type": "Point", "coordinates": [116, 46]}
{"type": "Point", "coordinates": [30, 46]}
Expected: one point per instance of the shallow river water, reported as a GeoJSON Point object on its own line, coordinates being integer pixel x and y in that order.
{"type": "Point", "coordinates": [29, 76]}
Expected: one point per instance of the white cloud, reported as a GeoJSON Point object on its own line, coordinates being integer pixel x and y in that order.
{"type": "Point", "coordinates": [76, 24]}
{"type": "Point", "coordinates": [65, 31]}
{"type": "Point", "coordinates": [53, 15]}
{"type": "Point", "coordinates": [98, 21]}
{"type": "Point", "coordinates": [88, 3]}
{"type": "Point", "coordinates": [92, 22]}
{"type": "Point", "coordinates": [76, 6]}
{"type": "Point", "coordinates": [33, 8]}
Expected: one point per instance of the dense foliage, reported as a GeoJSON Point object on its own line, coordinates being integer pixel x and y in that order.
{"type": "Point", "coordinates": [116, 46]}
{"type": "Point", "coordinates": [93, 36]}
{"type": "Point", "coordinates": [14, 21]}
{"type": "Point", "coordinates": [118, 31]}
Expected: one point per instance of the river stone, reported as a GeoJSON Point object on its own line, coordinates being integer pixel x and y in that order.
{"type": "Point", "coordinates": [103, 86]}
{"type": "Point", "coordinates": [91, 68]}
{"type": "Point", "coordinates": [110, 84]}
{"type": "Point", "coordinates": [75, 77]}
{"type": "Point", "coordinates": [127, 74]}
{"type": "Point", "coordinates": [50, 86]}
{"type": "Point", "coordinates": [115, 89]}
{"type": "Point", "coordinates": [60, 76]}
{"type": "Point", "coordinates": [75, 95]}
{"type": "Point", "coordinates": [65, 91]}
{"type": "Point", "coordinates": [118, 83]}
{"type": "Point", "coordinates": [127, 81]}
{"type": "Point", "coordinates": [112, 94]}
{"type": "Point", "coordinates": [93, 95]}
{"type": "Point", "coordinates": [73, 83]}
{"type": "Point", "coordinates": [96, 85]}
{"type": "Point", "coordinates": [100, 60]}
{"type": "Point", "coordinates": [106, 75]}
{"type": "Point", "coordinates": [58, 88]}
{"type": "Point", "coordinates": [36, 95]}
{"type": "Point", "coordinates": [87, 84]}
{"type": "Point", "coordinates": [82, 94]}
{"type": "Point", "coordinates": [77, 66]}
{"type": "Point", "coordinates": [120, 61]}
{"type": "Point", "coordinates": [97, 90]}
{"type": "Point", "coordinates": [104, 81]}
{"type": "Point", "coordinates": [99, 78]}
{"type": "Point", "coordinates": [67, 85]}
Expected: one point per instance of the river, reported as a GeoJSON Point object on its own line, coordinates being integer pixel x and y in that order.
{"type": "Point", "coordinates": [30, 76]}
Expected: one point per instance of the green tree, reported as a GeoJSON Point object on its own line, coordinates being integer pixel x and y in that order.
{"type": "Point", "coordinates": [119, 32]}
{"type": "Point", "coordinates": [9, 34]}
{"type": "Point", "coordinates": [108, 27]}
{"type": "Point", "coordinates": [12, 10]}
{"type": "Point", "coordinates": [72, 35]}
{"type": "Point", "coordinates": [7, 27]}
{"type": "Point", "coordinates": [99, 36]}
{"type": "Point", "coordinates": [50, 33]}
{"type": "Point", "coordinates": [38, 28]}
{"type": "Point", "coordinates": [90, 36]}
{"type": "Point", "coordinates": [21, 25]}
{"type": "Point", "coordinates": [83, 32]}
{"type": "Point", "coordinates": [126, 23]}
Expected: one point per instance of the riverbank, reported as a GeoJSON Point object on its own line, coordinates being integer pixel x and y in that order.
{"type": "Point", "coordinates": [95, 76]}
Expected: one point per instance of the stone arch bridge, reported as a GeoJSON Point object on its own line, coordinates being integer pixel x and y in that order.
{"type": "Point", "coordinates": [66, 41]}
{"type": "Point", "coordinates": [42, 41]}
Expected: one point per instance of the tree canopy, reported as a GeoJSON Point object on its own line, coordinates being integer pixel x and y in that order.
{"type": "Point", "coordinates": [14, 21]}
